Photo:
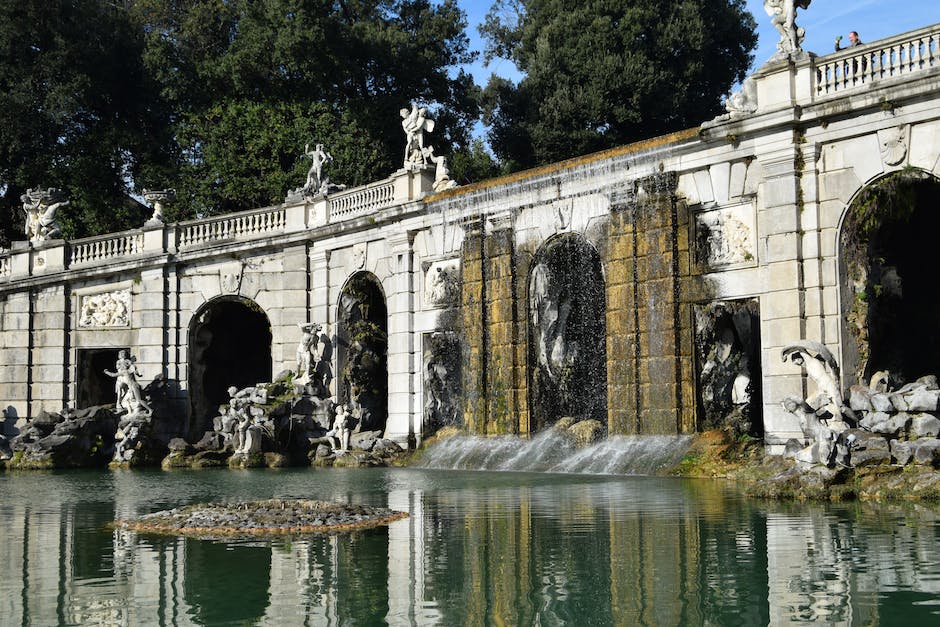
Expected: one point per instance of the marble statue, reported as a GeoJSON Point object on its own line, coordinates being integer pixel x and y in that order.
{"type": "Point", "coordinates": [783, 17]}
{"type": "Point", "coordinates": [823, 369]}
{"type": "Point", "coordinates": [317, 183]}
{"type": "Point", "coordinates": [743, 101]}
{"type": "Point", "coordinates": [307, 350]}
{"type": "Point", "coordinates": [442, 178]}
{"type": "Point", "coordinates": [241, 423]}
{"type": "Point", "coordinates": [40, 207]}
{"type": "Point", "coordinates": [415, 122]}
{"type": "Point", "coordinates": [126, 387]}
{"type": "Point", "coordinates": [157, 198]}
{"type": "Point", "coordinates": [339, 434]}
{"type": "Point", "coordinates": [549, 310]}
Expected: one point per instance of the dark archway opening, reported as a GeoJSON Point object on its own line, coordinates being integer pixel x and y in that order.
{"type": "Point", "coordinates": [94, 387]}
{"type": "Point", "coordinates": [230, 345]}
{"type": "Point", "coordinates": [888, 268]}
{"type": "Point", "coordinates": [567, 333]}
{"type": "Point", "coordinates": [363, 351]}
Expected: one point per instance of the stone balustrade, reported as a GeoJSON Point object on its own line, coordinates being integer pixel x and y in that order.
{"type": "Point", "coordinates": [104, 247]}
{"type": "Point", "coordinates": [362, 200]}
{"type": "Point", "coordinates": [246, 224]}
{"type": "Point", "coordinates": [860, 66]}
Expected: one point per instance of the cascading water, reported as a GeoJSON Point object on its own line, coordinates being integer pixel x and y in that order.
{"type": "Point", "coordinates": [551, 451]}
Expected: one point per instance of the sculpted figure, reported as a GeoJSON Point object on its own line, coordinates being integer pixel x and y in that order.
{"type": "Point", "coordinates": [822, 368]}
{"type": "Point", "coordinates": [126, 386]}
{"type": "Point", "coordinates": [316, 183]}
{"type": "Point", "coordinates": [40, 207]}
{"type": "Point", "coordinates": [442, 178]}
{"type": "Point", "coordinates": [415, 122]}
{"type": "Point", "coordinates": [339, 434]}
{"type": "Point", "coordinates": [783, 16]}
{"type": "Point", "coordinates": [308, 349]}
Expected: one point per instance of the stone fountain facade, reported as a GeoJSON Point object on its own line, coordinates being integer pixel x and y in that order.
{"type": "Point", "coordinates": [745, 212]}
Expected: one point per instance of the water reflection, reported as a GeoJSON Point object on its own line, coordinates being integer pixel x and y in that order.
{"type": "Point", "coordinates": [479, 548]}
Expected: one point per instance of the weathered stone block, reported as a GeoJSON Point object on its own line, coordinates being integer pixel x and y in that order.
{"type": "Point", "coordinates": [860, 398]}
{"type": "Point", "coordinates": [924, 426]}
{"type": "Point", "coordinates": [869, 450]}
{"type": "Point", "coordinates": [922, 399]}
{"type": "Point", "coordinates": [902, 451]}
{"type": "Point", "coordinates": [927, 451]}
{"type": "Point", "coordinates": [898, 402]}
{"type": "Point", "coordinates": [882, 403]}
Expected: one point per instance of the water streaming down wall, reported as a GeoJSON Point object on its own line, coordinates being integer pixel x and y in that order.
{"type": "Point", "coordinates": [551, 451]}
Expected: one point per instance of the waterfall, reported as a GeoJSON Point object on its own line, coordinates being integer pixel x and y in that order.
{"type": "Point", "coordinates": [551, 451]}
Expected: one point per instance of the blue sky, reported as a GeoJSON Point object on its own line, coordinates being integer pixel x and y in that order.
{"type": "Point", "coordinates": [823, 21]}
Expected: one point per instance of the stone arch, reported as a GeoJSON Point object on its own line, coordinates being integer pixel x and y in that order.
{"type": "Point", "coordinates": [362, 350]}
{"type": "Point", "coordinates": [566, 310]}
{"type": "Point", "coordinates": [889, 300]}
{"type": "Point", "coordinates": [229, 345]}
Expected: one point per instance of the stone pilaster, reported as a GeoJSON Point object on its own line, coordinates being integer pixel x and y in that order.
{"type": "Point", "coordinates": [503, 385]}
{"type": "Point", "coordinates": [474, 327]}
{"type": "Point", "coordinates": [401, 352]}
{"type": "Point", "coordinates": [782, 282]}
{"type": "Point", "coordinates": [50, 349]}
{"type": "Point", "coordinates": [15, 337]}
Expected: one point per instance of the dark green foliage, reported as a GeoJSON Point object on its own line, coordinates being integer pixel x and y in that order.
{"type": "Point", "coordinates": [216, 98]}
{"type": "Point", "coordinates": [252, 82]}
{"type": "Point", "coordinates": [76, 111]}
{"type": "Point", "coordinates": [601, 73]}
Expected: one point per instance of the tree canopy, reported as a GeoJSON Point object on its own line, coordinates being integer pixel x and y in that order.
{"type": "Point", "coordinates": [601, 73]}
{"type": "Point", "coordinates": [217, 98]}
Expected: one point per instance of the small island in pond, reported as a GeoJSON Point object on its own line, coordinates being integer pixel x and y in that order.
{"type": "Point", "coordinates": [261, 518]}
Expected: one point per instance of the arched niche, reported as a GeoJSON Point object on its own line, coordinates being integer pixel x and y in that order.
{"type": "Point", "coordinates": [362, 350]}
{"type": "Point", "coordinates": [887, 264]}
{"type": "Point", "coordinates": [229, 345]}
{"type": "Point", "coordinates": [567, 337]}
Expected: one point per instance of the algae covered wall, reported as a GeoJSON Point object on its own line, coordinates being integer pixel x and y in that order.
{"type": "Point", "coordinates": [643, 244]}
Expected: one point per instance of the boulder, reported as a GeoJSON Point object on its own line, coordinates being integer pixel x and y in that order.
{"type": "Point", "coordinates": [922, 399]}
{"type": "Point", "coordinates": [179, 445]}
{"type": "Point", "coordinates": [882, 403]}
{"type": "Point", "coordinates": [924, 426]}
{"type": "Point", "coordinates": [884, 424]}
{"type": "Point", "coordinates": [929, 382]}
{"type": "Point", "coordinates": [902, 452]}
{"type": "Point", "coordinates": [926, 451]}
{"type": "Point", "coordinates": [586, 432]}
{"type": "Point", "coordinates": [860, 398]}
{"type": "Point", "coordinates": [898, 401]}
{"type": "Point", "coordinates": [869, 449]}
{"type": "Point", "coordinates": [210, 441]}
{"type": "Point", "coordinates": [386, 447]}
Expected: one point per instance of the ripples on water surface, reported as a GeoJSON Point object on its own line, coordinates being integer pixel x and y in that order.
{"type": "Point", "coordinates": [479, 548]}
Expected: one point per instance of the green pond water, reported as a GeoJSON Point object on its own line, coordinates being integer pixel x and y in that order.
{"type": "Point", "coordinates": [480, 548]}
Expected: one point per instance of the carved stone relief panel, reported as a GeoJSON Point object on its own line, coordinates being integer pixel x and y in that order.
{"type": "Point", "coordinates": [442, 283]}
{"type": "Point", "coordinates": [105, 309]}
{"type": "Point", "coordinates": [725, 236]}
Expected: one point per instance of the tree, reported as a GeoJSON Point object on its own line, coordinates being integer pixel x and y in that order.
{"type": "Point", "coordinates": [600, 73]}
{"type": "Point", "coordinates": [244, 75]}
{"type": "Point", "coordinates": [78, 113]}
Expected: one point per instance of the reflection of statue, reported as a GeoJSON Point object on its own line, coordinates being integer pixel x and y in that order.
{"type": "Point", "coordinates": [783, 17]}
{"type": "Point", "coordinates": [822, 368]}
{"type": "Point", "coordinates": [126, 386]}
{"type": "Point", "coordinates": [316, 183]}
{"type": "Point", "coordinates": [415, 123]}
{"type": "Point", "coordinates": [40, 207]}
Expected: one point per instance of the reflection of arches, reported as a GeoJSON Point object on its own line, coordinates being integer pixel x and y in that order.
{"type": "Point", "coordinates": [229, 344]}
{"type": "Point", "coordinates": [890, 303]}
{"type": "Point", "coordinates": [362, 350]}
{"type": "Point", "coordinates": [567, 332]}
